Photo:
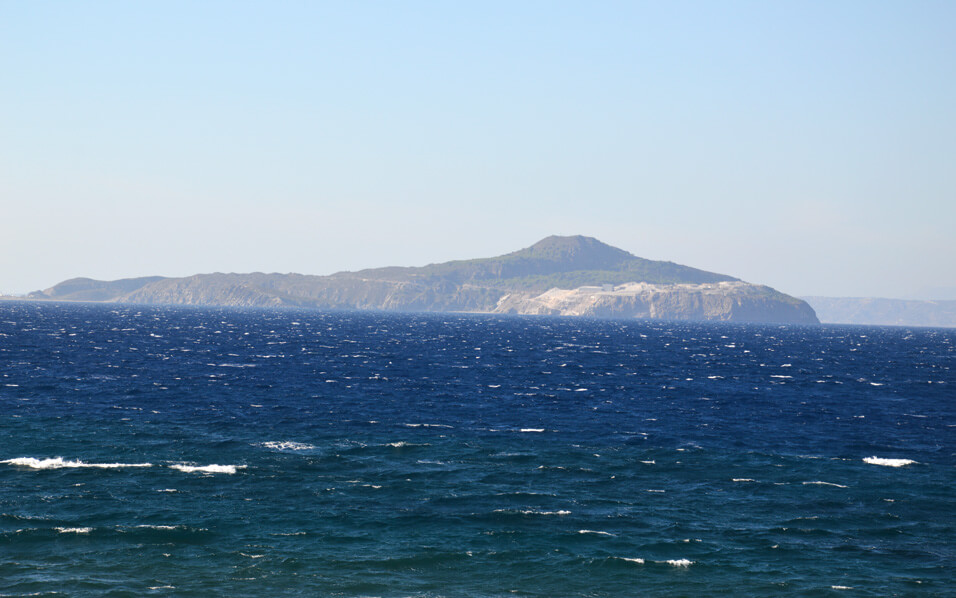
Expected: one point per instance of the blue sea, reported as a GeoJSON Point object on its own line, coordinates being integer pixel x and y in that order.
{"type": "Point", "coordinates": [177, 451]}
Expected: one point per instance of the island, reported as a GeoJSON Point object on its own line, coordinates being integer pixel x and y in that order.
{"type": "Point", "coordinates": [560, 276]}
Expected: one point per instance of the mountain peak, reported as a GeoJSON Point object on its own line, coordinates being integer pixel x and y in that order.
{"type": "Point", "coordinates": [582, 252]}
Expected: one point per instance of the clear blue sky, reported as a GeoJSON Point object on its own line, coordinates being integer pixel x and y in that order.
{"type": "Point", "coordinates": [806, 145]}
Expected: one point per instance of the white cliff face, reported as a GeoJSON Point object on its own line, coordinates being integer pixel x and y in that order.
{"type": "Point", "coordinates": [729, 301]}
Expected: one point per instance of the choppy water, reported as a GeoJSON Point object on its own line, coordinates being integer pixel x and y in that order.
{"type": "Point", "coordinates": [181, 451]}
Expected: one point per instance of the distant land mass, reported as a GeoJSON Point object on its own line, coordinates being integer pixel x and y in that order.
{"type": "Point", "coordinates": [886, 312]}
{"type": "Point", "coordinates": [557, 276]}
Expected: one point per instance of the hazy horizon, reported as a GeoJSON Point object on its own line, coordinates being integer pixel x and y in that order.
{"type": "Point", "coordinates": [806, 146]}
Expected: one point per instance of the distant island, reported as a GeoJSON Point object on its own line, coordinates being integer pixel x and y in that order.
{"type": "Point", "coordinates": [875, 311]}
{"type": "Point", "coordinates": [570, 276]}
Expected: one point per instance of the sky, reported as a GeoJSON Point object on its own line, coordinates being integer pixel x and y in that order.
{"type": "Point", "coordinates": [809, 146]}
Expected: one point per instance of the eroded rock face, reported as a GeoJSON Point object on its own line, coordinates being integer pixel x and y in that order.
{"type": "Point", "coordinates": [724, 301]}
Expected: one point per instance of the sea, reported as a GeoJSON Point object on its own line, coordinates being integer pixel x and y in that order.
{"type": "Point", "coordinates": [197, 451]}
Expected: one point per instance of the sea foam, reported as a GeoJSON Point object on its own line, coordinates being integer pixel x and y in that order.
{"type": "Point", "coordinates": [288, 445]}
{"type": "Point", "coordinates": [888, 462]}
{"type": "Point", "coordinates": [74, 530]}
{"type": "Point", "coordinates": [637, 560]}
{"type": "Point", "coordinates": [207, 468]}
{"type": "Point", "coordinates": [60, 463]}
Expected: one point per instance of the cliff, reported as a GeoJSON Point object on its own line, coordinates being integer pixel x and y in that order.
{"type": "Point", "coordinates": [558, 275]}
{"type": "Point", "coordinates": [735, 301]}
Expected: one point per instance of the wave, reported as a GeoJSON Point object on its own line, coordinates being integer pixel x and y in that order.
{"type": "Point", "coordinates": [673, 562]}
{"type": "Point", "coordinates": [287, 445]}
{"type": "Point", "coordinates": [230, 469]}
{"type": "Point", "coordinates": [819, 483]}
{"type": "Point", "coordinates": [560, 513]}
{"type": "Point", "coordinates": [591, 531]}
{"type": "Point", "coordinates": [60, 463]}
{"type": "Point", "coordinates": [531, 430]}
{"type": "Point", "coordinates": [74, 530]}
{"type": "Point", "coordinates": [404, 444]}
{"type": "Point", "coordinates": [888, 462]}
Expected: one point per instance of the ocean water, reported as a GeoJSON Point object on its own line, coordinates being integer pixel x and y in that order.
{"type": "Point", "coordinates": [228, 452]}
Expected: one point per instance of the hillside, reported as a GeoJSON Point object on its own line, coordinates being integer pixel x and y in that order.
{"type": "Point", "coordinates": [509, 283]}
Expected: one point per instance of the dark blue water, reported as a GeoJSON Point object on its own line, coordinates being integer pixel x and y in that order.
{"type": "Point", "coordinates": [184, 451]}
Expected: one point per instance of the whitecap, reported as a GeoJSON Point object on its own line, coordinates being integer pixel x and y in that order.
{"type": "Point", "coordinates": [532, 430]}
{"type": "Point", "coordinates": [888, 462]}
{"type": "Point", "coordinates": [60, 463]}
{"type": "Point", "coordinates": [561, 513]}
{"type": "Point", "coordinates": [639, 561]}
{"type": "Point", "coordinates": [680, 562]}
{"type": "Point", "coordinates": [404, 444]}
{"type": "Point", "coordinates": [74, 530]}
{"type": "Point", "coordinates": [744, 480]}
{"type": "Point", "coordinates": [591, 531]}
{"type": "Point", "coordinates": [819, 483]}
{"type": "Point", "coordinates": [207, 468]}
{"type": "Point", "coordinates": [841, 587]}
{"type": "Point", "coordinates": [287, 445]}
